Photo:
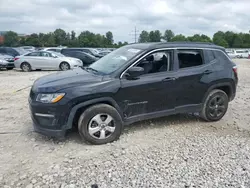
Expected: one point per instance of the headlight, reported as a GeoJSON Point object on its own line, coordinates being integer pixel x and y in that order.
{"type": "Point", "coordinates": [50, 98]}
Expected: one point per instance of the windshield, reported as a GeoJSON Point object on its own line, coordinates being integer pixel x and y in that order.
{"type": "Point", "coordinates": [20, 50]}
{"type": "Point", "coordinates": [115, 60]}
{"type": "Point", "coordinates": [94, 51]}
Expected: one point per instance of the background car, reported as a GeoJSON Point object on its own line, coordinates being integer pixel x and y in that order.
{"type": "Point", "coordinates": [12, 51]}
{"type": "Point", "coordinates": [90, 51]}
{"type": "Point", "coordinates": [242, 53]}
{"type": "Point", "coordinates": [86, 58]}
{"type": "Point", "coordinates": [53, 49]}
{"type": "Point", "coordinates": [103, 53]}
{"type": "Point", "coordinates": [46, 60]}
{"type": "Point", "coordinates": [10, 61]}
{"type": "Point", "coordinates": [28, 48]}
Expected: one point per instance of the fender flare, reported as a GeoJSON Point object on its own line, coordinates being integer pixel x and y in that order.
{"type": "Point", "coordinates": [214, 86]}
{"type": "Point", "coordinates": [91, 102]}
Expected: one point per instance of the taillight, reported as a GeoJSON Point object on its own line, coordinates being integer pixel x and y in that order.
{"type": "Point", "coordinates": [16, 58]}
{"type": "Point", "coordinates": [235, 70]}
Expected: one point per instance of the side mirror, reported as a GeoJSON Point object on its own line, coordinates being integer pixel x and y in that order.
{"type": "Point", "coordinates": [134, 72]}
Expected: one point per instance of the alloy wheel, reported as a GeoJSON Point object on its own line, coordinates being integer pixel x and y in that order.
{"type": "Point", "coordinates": [217, 106]}
{"type": "Point", "coordinates": [101, 126]}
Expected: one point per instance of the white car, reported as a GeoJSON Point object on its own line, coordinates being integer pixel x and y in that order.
{"type": "Point", "coordinates": [238, 53]}
{"type": "Point", "coordinates": [45, 60]}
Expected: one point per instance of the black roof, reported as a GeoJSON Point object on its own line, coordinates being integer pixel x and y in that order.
{"type": "Point", "coordinates": [155, 45]}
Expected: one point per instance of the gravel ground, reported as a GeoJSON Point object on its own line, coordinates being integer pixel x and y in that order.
{"type": "Point", "coordinates": [175, 151]}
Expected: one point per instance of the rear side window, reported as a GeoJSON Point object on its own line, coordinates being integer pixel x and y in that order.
{"type": "Point", "coordinates": [190, 58]}
{"type": "Point", "coordinates": [210, 55]}
{"type": "Point", "coordinates": [220, 56]}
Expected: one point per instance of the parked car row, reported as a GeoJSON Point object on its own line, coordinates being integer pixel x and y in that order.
{"type": "Point", "coordinates": [240, 53]}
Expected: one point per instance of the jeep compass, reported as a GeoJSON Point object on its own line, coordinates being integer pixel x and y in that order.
{"type": "Point", "coordinates": [133, 83]}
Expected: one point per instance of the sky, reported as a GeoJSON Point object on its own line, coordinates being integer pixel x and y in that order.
{"type": "Point", "coordinates": [187, 17]}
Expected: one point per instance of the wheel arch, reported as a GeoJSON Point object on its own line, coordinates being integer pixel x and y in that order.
{"type": "Point", "coordinates": [225, 86]}
{"type": "Point", "coordinates": [78, 109]}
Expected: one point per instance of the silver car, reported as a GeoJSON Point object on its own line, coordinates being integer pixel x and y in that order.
{"type": "Point", "coordinates": [46, 60]}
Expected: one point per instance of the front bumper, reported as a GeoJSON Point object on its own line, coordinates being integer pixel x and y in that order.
{"type": "Point", "coordinates": [49, 119]}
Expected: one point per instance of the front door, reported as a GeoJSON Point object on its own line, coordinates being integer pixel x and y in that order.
{"type": "Point", "coordinates": [153, 91]}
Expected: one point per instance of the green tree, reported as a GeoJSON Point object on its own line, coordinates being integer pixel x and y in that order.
{"type": "Point", "coordinates": [144, 36]}
{"type": "Point", "coordinates": [60, 36]}
{"type": "Point", "coordinates": [33, 40]}
{"type": "Point", "coordinates": [155, 36]}
{"type": "Point", "coordinates": [229, 37]}
{"type": "Point", "coordinates": [219, 39]}
{"type": "Point", "coordinates": [179, 37]}
{"type": "Point", "coordinates": [11, 39]}
{"type": "Point", "coordinates": [238, 41]}
{"type": "Point", "coordinates": [109, 36]}
{"type": "Point", "coordinates": [168, 35]}
{"type": "Point", "coordinates": [73, 35]}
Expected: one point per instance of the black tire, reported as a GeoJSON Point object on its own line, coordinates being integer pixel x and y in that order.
{"type": "Point", "coordinates": [64, 66]}
{"type": "Point", "coordinates": [9, 68]}
{"type": "Point", "coordinates": [215, 106]}
{"type": "Point", "coordinates": [87, 117]}
{"type": "Point", "coordinates": [26, 67]}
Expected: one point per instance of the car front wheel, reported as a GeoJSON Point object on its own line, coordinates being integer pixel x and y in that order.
{"type": "Point", "coordinates": [215, 105]}
{"type": "Point", "coordinates": [100, 124]}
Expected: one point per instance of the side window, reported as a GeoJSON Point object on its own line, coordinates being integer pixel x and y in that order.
{"type": "Point", "coordinates": [156, 62]}
{"type": "Point", "coordinates": [45, 54]}
{"type": "Point", "coordinates": [52, 50]}
{"type": "Point", "coordinates": [33, 54]}
{"type": "Point", "coordinates": [11, 52]}
{"type": "Point", "coordinates": [210, 55]}
{"type": "Point", "coordinates": [190, 58]}
{"type": "Point", "coordinates": [221, 56]}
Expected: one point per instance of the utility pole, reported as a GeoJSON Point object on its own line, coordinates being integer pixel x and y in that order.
{"type": "Point", "coordinates": [135, 33]}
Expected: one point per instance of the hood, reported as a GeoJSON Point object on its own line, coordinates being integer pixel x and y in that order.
{"type": "Point", "coordinates": [62, 80]}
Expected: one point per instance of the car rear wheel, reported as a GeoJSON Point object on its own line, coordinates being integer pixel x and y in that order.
{"type": "Point", "coordinates": [64, 66]}
{"type": "Point", "coordinates": [100, 124]}
{"type": "Point", "coordinates": [215, 105]}
{"type": "Point", "coordinates": [26, 67]}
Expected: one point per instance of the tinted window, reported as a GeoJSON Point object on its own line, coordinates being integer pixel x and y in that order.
{"type": "Point", "coordinates": [189, 58]}
{"type": "Point", "coordinates": [210, 55]}
{"type": "Point", "coordinates": [220, 56]}
{"type": "Point", "coordinates": [53, 50]}
{"type": "Point", "coordinates": [33, 54]}
{"type": "Point", "coordinates": [156, 62]}
{"type": "Point", "coordinates": [45, 54]}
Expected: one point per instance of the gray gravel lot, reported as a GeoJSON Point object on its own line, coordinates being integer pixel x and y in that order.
{"type": "Point", "coordinates": [175, 151]}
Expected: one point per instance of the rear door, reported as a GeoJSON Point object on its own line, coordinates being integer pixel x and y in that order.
{"type": "Point", "coordinates": [192, 78]}
{"type": "Point", "coordinates": [32, 59]}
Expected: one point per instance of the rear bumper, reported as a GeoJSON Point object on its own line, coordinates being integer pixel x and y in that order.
{"type": "Point", "coordinates": [9, 65]}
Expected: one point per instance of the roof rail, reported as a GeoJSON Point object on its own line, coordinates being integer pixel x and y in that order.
{"type": "Point", "coordinates": [187, 42]}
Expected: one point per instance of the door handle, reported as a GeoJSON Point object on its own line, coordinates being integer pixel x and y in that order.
{"type": "Point", "coordinates": [207, 72]}
{"type": "Point", "coordinates": [169, 79]}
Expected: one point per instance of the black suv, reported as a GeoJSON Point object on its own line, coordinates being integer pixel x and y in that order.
{"type": "Point", "coordinates": [134, 83]}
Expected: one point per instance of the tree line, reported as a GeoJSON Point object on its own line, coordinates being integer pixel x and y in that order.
{"type": "Point", "coordinates": [60, 37]}
{"type": "Point", "coordinates": [226, 39]}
